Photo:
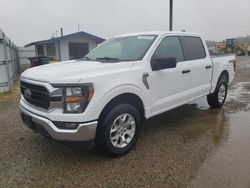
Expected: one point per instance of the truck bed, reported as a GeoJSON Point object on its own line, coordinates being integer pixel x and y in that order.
{"type": "Point", "coordinates": [222, 62]}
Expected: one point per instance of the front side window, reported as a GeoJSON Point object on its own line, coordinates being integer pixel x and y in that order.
{"type": "Point", "coordinates": [130, 48]}
{"type": "Point", "coordinates": [169, 47]}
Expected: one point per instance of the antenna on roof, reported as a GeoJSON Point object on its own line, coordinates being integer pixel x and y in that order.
{"type": "Point", "coordinates": [61, 29]}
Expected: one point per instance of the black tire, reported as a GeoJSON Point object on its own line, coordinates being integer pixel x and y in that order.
{"type": "Point", "coordinates": [103, 141]}
{"type": "Point", "coordinates": [223, 51]}
{"type": "Point", "coordinates": [213, 99]}
{"type": "Point", "coordinates": [239, 52]}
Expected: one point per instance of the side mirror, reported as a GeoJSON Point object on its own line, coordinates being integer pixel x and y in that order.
{"type": "Point", "coordinates": [163, 63]}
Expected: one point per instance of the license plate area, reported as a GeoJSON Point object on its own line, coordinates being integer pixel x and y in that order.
{"type": "Point", "coordinates": [28, 121]}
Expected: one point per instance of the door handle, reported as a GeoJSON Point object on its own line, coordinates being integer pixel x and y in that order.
{"type": "Point", "coordinates": [208, 67]}
{"type": "Point", "coordinates": [186, 71]}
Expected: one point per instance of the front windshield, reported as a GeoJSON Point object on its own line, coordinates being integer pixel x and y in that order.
{"type": "Point", "coordinates": [130, 48]}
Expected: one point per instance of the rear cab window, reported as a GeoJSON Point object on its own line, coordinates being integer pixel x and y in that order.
{"type": "Point", "coordinates": [193, 48]}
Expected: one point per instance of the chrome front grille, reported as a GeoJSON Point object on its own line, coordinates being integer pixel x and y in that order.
{"type": "Point", "coordinates": [35, 94]}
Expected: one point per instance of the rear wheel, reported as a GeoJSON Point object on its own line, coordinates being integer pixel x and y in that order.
{"type": "Point", "coordinates": [118, 132]}
{"type": "Point", "coordinates": [218, 97]}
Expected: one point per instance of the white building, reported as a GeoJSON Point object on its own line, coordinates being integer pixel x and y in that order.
{"type": "Point", "coordinates": [67, 47]}
{"type": "Point", "coordinates": [25, 54]}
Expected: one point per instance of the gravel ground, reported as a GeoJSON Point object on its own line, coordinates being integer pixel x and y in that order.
{"type": "Point", "coordinates": [192, 146]}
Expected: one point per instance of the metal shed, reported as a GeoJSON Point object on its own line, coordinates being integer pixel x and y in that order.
{"type": "Point", "coordinates": [9, 62]}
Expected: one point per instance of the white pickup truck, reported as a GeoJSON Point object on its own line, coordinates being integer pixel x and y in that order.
{"type": "Point", "coordinates": [104, 96]}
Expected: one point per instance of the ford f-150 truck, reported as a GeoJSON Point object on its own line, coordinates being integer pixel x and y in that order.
{"type": "Point", "coordinates": [104, 96]}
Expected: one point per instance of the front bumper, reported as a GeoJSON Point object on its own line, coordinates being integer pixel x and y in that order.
{"type": "Point", "coordinates": [42, 125]}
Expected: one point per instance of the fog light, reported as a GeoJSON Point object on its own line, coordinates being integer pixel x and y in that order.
{"type": "Point", "coordinates": [66, 125]}
{"type": "Point", "coordinates": [71, 125]}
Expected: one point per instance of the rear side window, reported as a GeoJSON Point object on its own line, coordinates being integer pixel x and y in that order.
{"type": "Point", "coordinates": [169, 47]}
{"type": "Point", "coordinates": [194, 48]}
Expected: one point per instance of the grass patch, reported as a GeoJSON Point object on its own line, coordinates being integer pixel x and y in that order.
{"type": "Point", "coordinates": [12, 96]}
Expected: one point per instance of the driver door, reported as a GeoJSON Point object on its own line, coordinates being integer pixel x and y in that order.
{"type": "Point", "coordinates": [170, 86]}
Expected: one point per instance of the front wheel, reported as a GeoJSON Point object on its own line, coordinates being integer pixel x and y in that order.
{"type": "Point", "coordinates": [223, 51]}
{"type": "Point", "coordinates": [217, 99]}
{"type": "Point", "coordinates": [118, 132]}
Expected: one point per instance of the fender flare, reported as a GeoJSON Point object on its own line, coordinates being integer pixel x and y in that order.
{"type": "Point", "coordinates": [123, 89]}
{"type": "Point", "coordinates": [225, 68]}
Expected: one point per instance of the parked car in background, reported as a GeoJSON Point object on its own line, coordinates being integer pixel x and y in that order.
{"type": "Point", "coordinates": [128, 78]}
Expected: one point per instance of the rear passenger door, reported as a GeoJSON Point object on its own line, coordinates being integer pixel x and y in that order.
{"type": "Point", "coordinates": [200, 65]}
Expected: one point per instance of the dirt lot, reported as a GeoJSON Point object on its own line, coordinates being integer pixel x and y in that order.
{"type": "Point", "coordinates": [192, 146]}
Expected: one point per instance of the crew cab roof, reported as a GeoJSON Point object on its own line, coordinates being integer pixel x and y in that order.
{"type": "Point", "coordinates": [160, 33]}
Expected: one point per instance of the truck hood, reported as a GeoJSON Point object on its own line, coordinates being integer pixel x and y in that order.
{"type": "Point", "coordinates": [73, 71]}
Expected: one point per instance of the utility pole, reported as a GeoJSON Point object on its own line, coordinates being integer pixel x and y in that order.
{"type": "Point", "coordinates": [61, 29]}
{"type": "Point", "coordinates": [170, 15]}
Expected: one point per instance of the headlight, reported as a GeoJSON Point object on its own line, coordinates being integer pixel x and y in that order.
{"type": "Point", "coordinates": [74, 91]}
{"type": "Point", "coordinates": [76, 99]}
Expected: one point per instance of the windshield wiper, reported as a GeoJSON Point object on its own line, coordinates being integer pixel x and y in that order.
{"type": "Point", "coordinates": [108, 58]}
{"type": "Point", "coordinates": [86, 58]}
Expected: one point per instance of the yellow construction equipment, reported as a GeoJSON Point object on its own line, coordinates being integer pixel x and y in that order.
{"type": "Point", "coordinates": [231, 46]}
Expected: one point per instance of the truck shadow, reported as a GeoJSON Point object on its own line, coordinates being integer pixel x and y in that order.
{"type": "Point", "coordinates": [185, 124]}
{"type": "Point", "coordinates": [171, 148]}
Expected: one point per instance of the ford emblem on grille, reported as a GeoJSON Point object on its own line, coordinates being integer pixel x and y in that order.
{"type": "Point", "coordinates": [27, 94]}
